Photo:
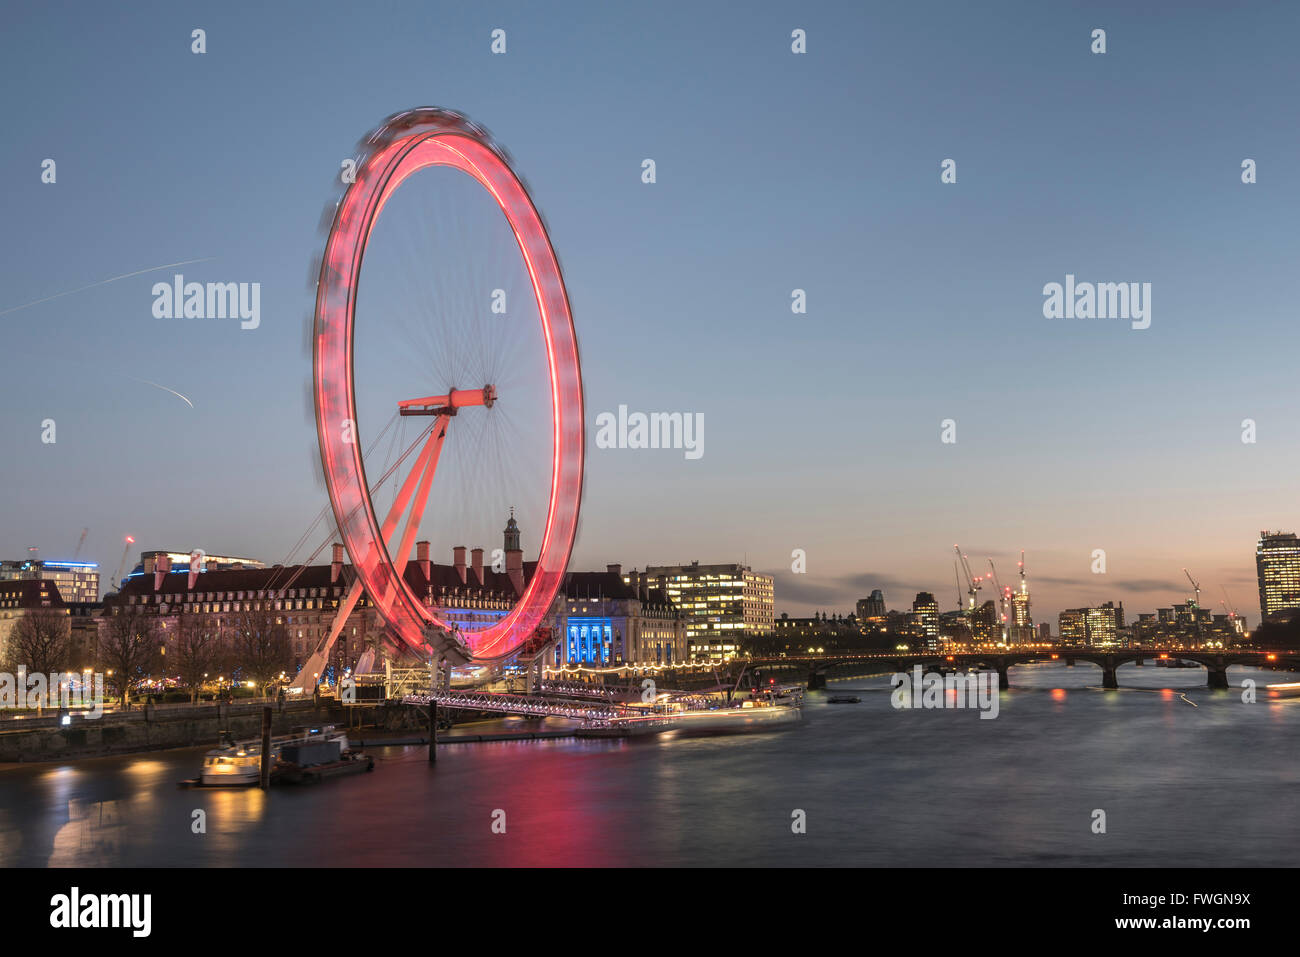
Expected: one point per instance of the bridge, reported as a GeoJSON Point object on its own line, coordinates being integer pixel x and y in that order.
{"type": "Point", "coordinates": [1215, 661]}
{"type": "Point", "coordinates": [533, 706]}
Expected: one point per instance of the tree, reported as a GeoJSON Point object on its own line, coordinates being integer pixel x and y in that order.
{"type": "Point", "coordinates": [41, 643]}
{"type": "Point", "coordinates": [259, 646]}
{"type": "Point", "coordinates": [130, 649]}
{"type": "Point", "coordinates": [197, 651]}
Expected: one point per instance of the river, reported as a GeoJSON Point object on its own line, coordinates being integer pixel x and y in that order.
{"type": "Point", "coordinates": [1184, 775]}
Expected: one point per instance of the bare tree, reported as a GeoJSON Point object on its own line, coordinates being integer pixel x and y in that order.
{"type": "Point", "coordinates": [259, 646]}
{"type": "Point", "coordinates": [41, 643]}
{"type": "Point", "coordinates": [130, 649]}
{"type": "Point", "coordinates": [197, 651]}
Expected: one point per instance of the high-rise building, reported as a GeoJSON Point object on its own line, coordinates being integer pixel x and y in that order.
{"type": "Point", "coordinates": [1071, 627]}
{"type": "Point", "coordinates": [926, 611]}
{"type": "Point", "coordinates": [1098, 625]}
{"type": "Point", "coordinates": [984, 623]}
{"type": "Point", "coordinates": [78, 581]}
{"type": "Point", "coordinates": [1022, 625]}
{"type": "Point", "coordinates": [1104, 622]}
{"type": "Point", "coordinates": [1277, 562]}
{"type": "Point", "coordinates": [873, 607]}
{"type": "Point", "coordinates": [721, 604]}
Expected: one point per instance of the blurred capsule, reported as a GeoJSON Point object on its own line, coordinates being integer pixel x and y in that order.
{"type": "Point", "coordinates": [326, 222]}
{"type": "Point", "coordinates": [313, 272]}
{"type": "Point", "coordinates": [317, 470]}
{"type": "Point", "coordinates": [309, 335]}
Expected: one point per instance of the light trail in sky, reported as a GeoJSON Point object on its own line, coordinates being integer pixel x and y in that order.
{"type": "Point", "coordinates": [138, 272]}
{"type": "Point", "coordinates": [164, 388]}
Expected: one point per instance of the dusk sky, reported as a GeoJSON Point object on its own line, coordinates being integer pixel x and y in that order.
{"type": "Point", "coordinates": [775, 172]}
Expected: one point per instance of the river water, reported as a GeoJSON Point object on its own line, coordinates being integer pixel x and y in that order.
{"type": "Point", "coordinates": [1185, 777]}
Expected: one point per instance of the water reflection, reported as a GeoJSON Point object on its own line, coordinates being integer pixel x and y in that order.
{"type": "Point", "coordinates": [1195, 778]}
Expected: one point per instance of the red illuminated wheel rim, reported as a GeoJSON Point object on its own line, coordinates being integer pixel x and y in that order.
{"type": "Point", "coordinates": [404, 145]}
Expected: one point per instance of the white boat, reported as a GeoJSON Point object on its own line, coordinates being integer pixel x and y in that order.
{"type": "Point", "coordinates": [239, 763]}
{"type": "Point", "coordinates": [744, 716]}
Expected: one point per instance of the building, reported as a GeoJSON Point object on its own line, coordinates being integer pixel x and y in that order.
{"type": "Point", "coordinates": [1277, 563]}
{"type": "Point", "coordinates": [609, 619]}
{"type": "Point", "coordinates": [1187, 625]}
{"type": "Point", "coordinates": [873, 607]}
{"type": "Point", "coordinates": [304, 599]}
{"type": "Point", "coordinates": [77, 581]}
{"type": "Point", "coordinates": [1104, 623]}
{"type": "Point", "coordinates": [1070, 625]}
{"type": "Point", "coordinates": [926, 612]}
{"type": "Point", "coordinates": [1098, 625]}
{"type": "Point", "coordinates": [599, 619]}
{"type": "Point", "coordinates": [21, 597]}
{"type": "Point", "coordinates": [985, 623]}
{"type": "Point", "coordinates": [800, 636]}
{"type": "Point", "coordinates": [1022, 625]}
{"type": "Point", "coordinates": [178, 562]}
{"type": "Point", "coordinates": [720, 603]}
{"type": "Point", "coordinates": [954, 626]}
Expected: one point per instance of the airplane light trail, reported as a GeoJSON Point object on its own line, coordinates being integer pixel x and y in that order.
{"type": "Point", "coordinates": [139, 272]}
{"type": "Point", "coordinates": [164, 388]}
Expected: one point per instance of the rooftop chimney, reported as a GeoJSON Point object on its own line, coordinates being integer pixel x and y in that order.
{"type": "Point", "coordinates": [615, 570]}
{"type": "Point", "coordinates": [422, 556]}
{"type": "Point", "coordinates": [336, 563]}
{"type": "Point", "coordinates": [639, 585]}
{"type": "Point", "coordinates": [196, 565]}
{"type": "Point", "coordinates": [459, 555]}
{"type": "Point", "coordinates": [160, 569]}
{"type": "Point", "coordinates": [515, 568]}
{"type": "Point", "coordinates": [476, 563]}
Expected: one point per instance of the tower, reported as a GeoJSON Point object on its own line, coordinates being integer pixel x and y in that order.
{"type": "Point", "coordinates": [514, 554]}
{"type": "Point", "coordinates": [1277, 562]}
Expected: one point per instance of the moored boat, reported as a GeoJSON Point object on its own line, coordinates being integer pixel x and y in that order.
{"type": "Point", "coordinates": [238, 763]}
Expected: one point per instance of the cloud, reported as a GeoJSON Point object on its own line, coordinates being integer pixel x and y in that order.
{"type": "Point", "coordinates": [1112, 583]}
{"type": "Point", "coordinates": [830, 591]}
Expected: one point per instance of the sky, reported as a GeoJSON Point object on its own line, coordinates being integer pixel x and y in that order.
{"type": "Point", "coordinates": [775, 171]}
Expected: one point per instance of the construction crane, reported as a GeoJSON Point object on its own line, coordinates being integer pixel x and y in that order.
{"type": "Point", "coordinates": [1231, 609]}
{"type": "Point", "coordinates": [972, 581]}
{"type": "Point", "coordinates": [1024, 593]}
{"type": "Point", "coordinates": [1004, 594]}
{"type": "Point", "coordinates": [76, 554]}
{"type": "Point", "coordinates": [1197, 613]}
{"type": "Point", "coordinates": [121, 566]}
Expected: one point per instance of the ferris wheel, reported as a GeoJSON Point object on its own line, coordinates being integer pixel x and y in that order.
{"type": "Point", "coordinates": [493, 391]}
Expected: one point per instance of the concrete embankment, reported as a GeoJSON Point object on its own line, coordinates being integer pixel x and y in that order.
{"type": "Point", "coordinates": [147, 728]}
{"type": "Point", "coordinates": [363, 740]}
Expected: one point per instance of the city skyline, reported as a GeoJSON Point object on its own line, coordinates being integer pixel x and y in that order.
{"type": "Point", "coordinates": [1071, 434]}
{"type": "Point", "coordinates": [1009, 578]}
